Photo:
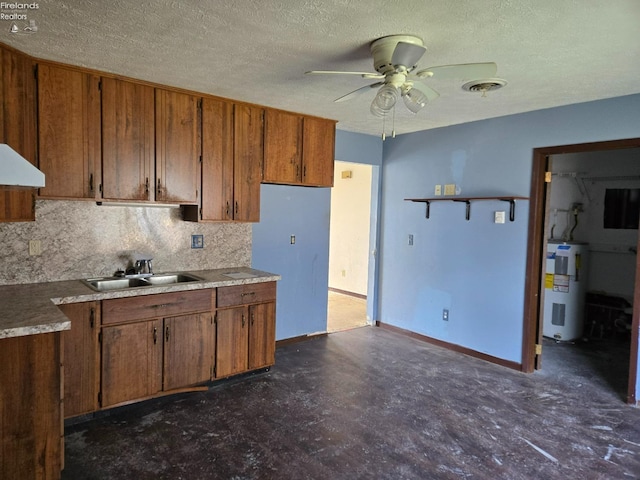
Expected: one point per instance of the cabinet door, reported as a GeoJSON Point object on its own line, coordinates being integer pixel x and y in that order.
{"type": "Point", "coordinates": [318, 151]}
{"type": "Point", "coordinates": [188, 350]}
{"type": "Point", "coordinates": [217, 160]}
{"type": "Point", "coordinates": [131, 362]}
{"type": "Point", "coordinates": [68, 132]}
{"type": "Point", "coordinates": [17, 128]}
{"type": "Point", "coordinates": [282, 142]}
{"type": "Point", "coordinates": [81, 358]}
{"type": "Point", "coordinates": [177, 147]}
{"type": "Point", "coordinates": [262, 335]}
{"type": "Point", "coordinates": [248, 148]}
{"type": "Point", "coordinates": [128, 149]}
{"type": "Point", "coordinates": [232, 341]}
{"type": "Point", "coordinates": [30, 407]}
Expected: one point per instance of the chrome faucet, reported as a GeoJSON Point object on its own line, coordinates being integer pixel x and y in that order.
{"type": "Point", "coordinates": [143, 266]}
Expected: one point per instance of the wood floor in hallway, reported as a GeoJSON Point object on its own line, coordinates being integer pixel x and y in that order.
{"type": "Point", "coordinates": [367, 403]}
{"type": "Point", "coordinates": [345, 312]}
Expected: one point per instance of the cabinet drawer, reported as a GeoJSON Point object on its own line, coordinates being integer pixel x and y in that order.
{"type": "Point", "coordinates": [245, 294]}
{"type": "Point", "coordinates": [119, 310]}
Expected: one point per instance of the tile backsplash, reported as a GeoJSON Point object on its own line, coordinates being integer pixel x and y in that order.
{"type": "Point", "coordinates": [81, 239]}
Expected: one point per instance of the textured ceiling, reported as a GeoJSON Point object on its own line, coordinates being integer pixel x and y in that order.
{"type": "Point", "coordinates": [552, 52]}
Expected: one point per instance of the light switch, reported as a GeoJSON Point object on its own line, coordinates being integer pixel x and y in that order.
{"type": "Point", "coordinates": [450, 189]}
{"type": "Point", "coordinates": [438, 190]}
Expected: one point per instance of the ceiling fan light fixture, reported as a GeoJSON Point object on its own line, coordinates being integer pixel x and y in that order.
{"type": "Point", "coordinates": [384, 100]}
{"type": "Point", "coordinates": [414, 99]}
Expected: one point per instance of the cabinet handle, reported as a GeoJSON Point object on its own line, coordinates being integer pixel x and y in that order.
{"type": "Point", "coordinates": [91, 182]}
{"type": "Point", "coordinates": [146, 186]}
{"type": "Point", "coordinates": [155, 335]}
{"type": "Point", "coordinates": [92, 315]}
{"type": "Point", "coordinates": [253, 318]}
{"type": "Point", "coordinates": [297, 171]}
{"type": "Point", "coordinates": [243, 320]}
{"type": "Point", "coordinates": [246, 294]}
{"type": "Point", "coordinates": [166, 333]}
{"type": "Point", "coordinates": [227, 211]}
{"type": "Point", "coordinates": [304, 172]}
{"type": "Point", "coordinates": [159, 189]}
{"type": "Point", "coordinates": [236, 208]}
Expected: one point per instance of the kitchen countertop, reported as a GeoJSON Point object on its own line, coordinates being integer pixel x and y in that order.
{"type": "Point", "coordinates": [31, 308]}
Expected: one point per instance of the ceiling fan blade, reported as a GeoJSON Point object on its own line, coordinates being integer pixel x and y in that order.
{"type": "Point", "coordinates": [357, 92]}
{"type": "Point", "coordinates": [430, 93]}
{"type": "Point", "coordinates": [407, 54]}
{"type": "Point", "coordinates": [461, 71]}
{"type": "Point", "coordinates": [334, 72]}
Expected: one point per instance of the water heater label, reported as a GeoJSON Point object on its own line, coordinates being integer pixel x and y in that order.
{"type": "Point", "coordinates": [561, 283]}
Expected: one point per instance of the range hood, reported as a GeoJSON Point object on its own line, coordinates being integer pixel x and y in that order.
{"type": "Point", "coordinates": [17, 171]}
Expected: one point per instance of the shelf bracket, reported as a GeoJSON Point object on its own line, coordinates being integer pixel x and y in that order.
{"type": "Point", "coordinates": [468, 208]}
{"type": "Point", "coordinates": [512, 208]}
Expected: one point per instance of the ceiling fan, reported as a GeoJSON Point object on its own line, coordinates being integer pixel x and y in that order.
{"type": "Point", "coordinates": [395, 58]}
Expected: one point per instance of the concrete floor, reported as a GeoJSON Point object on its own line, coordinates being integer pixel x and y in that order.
{"type": "Point", "coordinates": [371, 404]}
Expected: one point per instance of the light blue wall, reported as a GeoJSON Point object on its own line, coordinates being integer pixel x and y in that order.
{"type": "Point", "coordinates": [301, 306]}
{"type": "Point", "coordinates": [474, 268]}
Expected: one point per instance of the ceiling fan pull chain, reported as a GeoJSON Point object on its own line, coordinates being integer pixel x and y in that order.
{"type": "Point", "coordinates": [393, 123]}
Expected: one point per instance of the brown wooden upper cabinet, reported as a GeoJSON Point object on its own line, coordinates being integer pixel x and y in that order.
{"type": "Point", "coordinates": [69, 148]}
{"type": "Point", "coordinates": [128, 140]}
{"type": "Point", "coordinates": [232, 155]}
{"type": "Point", "coordinates": [17, 128]}
{"type": "Point", "coordinates": [299, 150]}
{"type": "Point", "coordinates": [177, 147]}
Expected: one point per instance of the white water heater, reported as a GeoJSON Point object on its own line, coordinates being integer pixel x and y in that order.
{"type": "Point", "coordinates": [565, 290]}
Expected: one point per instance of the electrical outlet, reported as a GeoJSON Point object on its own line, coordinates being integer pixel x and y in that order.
{"type": "Point", "coordinates": [445, 314]}
{"type": "Point", "coordinates": [410, 239]}
{"type": "Point", "coordinates": [438, 190]}
{"type": "Point", "coordinates": [498, 217]}
{"type": "Point", "coordinates": [197, 241]}
{"type": "Point", "coordinates": [450, 189]}
{"type": "Point", "coordinates": [35, 247]}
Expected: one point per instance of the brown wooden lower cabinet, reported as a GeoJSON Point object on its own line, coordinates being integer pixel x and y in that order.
{"type": "Point", "coordinates": [131, 362]}
{"type": "Point", "coordinates": [245, 328]}
{"type": "Point", "coordinates": [189, 350]}
{"type": "Point", "coordinates": [119, 351]}
{"type": "Point", "coordinates": [81, 358]}
{"type": "Point", "coordinates": [31, 436]}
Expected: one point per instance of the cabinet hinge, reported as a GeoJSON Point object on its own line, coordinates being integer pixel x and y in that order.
{"type": "Point", "coordinates": [538, 349]}
{"type": "Point", "coordinates": [547, 177]}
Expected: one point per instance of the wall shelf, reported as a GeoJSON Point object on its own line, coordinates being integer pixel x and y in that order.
{"type": "Point", "coordinates": [467, 201]}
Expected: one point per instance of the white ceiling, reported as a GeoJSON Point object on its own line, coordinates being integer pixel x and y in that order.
{"type": "Point", "coordinates": [552, 52]}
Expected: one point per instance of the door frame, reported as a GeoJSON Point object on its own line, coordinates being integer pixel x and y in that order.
{"type": "Point", "coordinates": [534, 286]}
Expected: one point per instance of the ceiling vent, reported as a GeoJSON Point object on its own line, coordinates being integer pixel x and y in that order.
{"type": "Point", "coordinates": [484, 85]}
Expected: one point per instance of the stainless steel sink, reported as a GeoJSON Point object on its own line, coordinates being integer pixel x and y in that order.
{"type": "Point", "coordinates": [104, 284]}
{"type": "Point", "coordinates": [168, 279]}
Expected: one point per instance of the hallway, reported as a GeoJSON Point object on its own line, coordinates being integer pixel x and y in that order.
{"type": "Point", "coordinates": [345, 312]}
{"type": "Point", "coordinates": [368, 403]}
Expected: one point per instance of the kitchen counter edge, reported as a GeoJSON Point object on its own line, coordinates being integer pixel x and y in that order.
{"type": "Point", "coordinates": [31, 308]}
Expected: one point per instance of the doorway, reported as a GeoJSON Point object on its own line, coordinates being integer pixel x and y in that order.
{"type": "Point", "coordinates": [539, 218]}
{"type": "Point", "coordinates": [349, 246]}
